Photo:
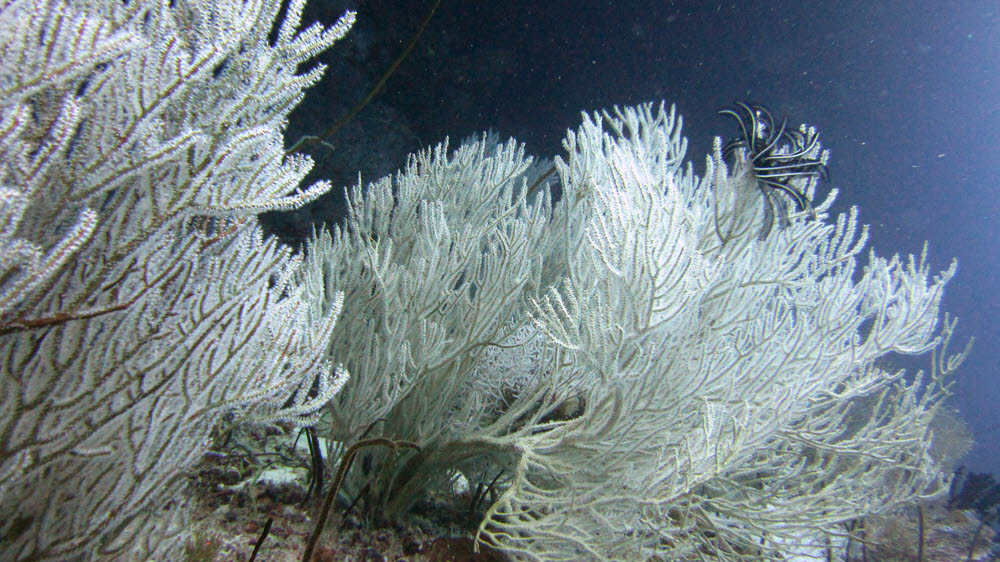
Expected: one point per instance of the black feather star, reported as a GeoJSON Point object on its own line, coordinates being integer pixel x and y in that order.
{"type": "Point", "coordinates": [781, 159]}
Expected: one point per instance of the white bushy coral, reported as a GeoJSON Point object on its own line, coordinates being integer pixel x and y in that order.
{"type": "Point", "coordinates": [646, 375]}
{"type": "Point", "coordinates": [138, 299]}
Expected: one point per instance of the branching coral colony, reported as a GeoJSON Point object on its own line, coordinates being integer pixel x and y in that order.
{"type": "Point", "coordinates": [642, 367]}
{"type": "Point", "coordinates": [647, 368]}
{"type": "Point", "coordinates": [139, 302]}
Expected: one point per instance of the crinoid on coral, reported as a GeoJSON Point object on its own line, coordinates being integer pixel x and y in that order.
{"type": "Point", "coordinates": [781, 160]}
